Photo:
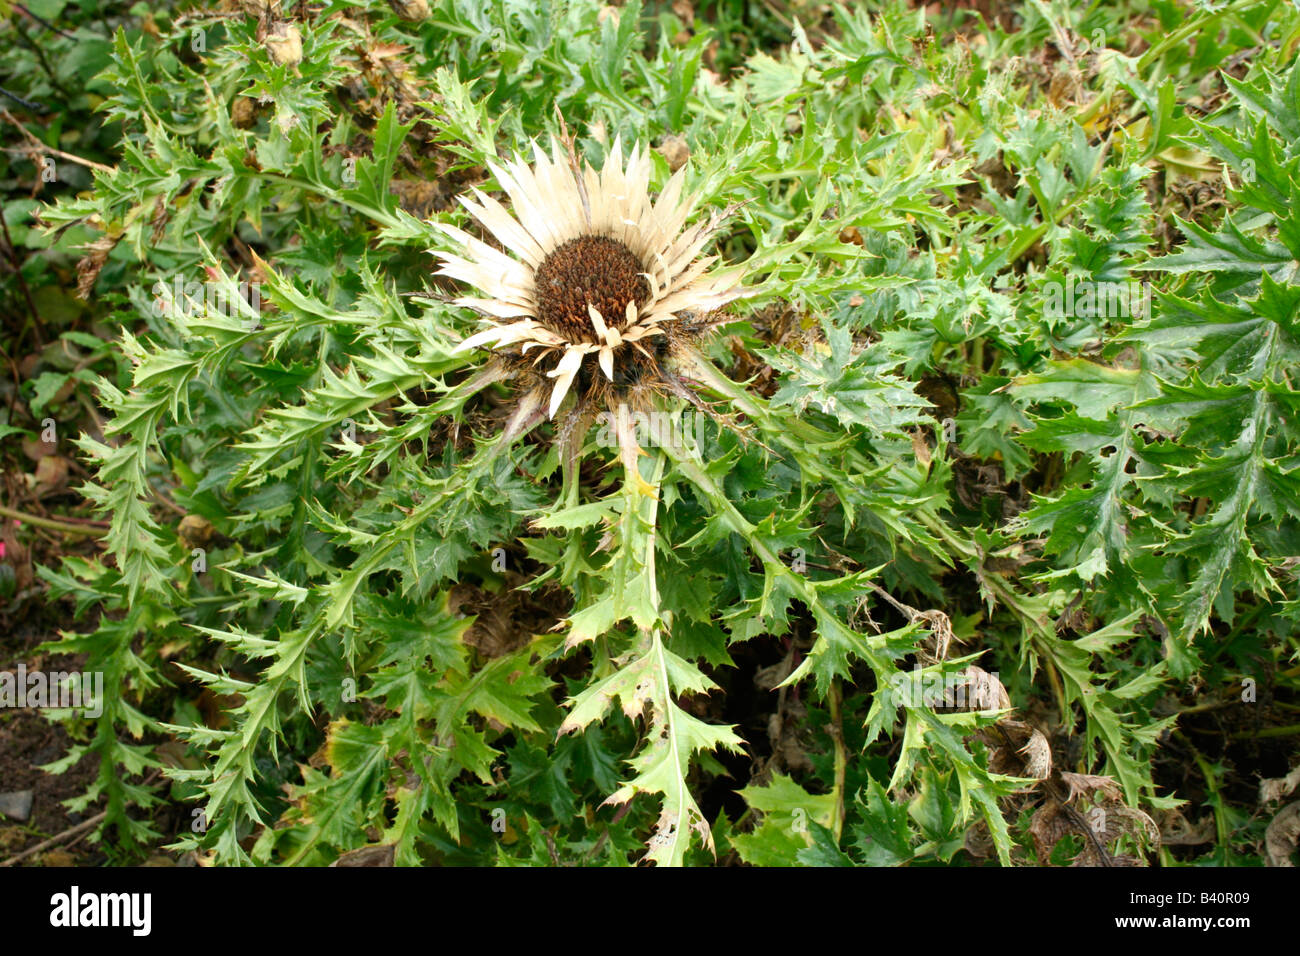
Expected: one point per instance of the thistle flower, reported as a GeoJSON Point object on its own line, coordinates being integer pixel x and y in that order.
{"type": "Point", "coordinates": [602, 288]}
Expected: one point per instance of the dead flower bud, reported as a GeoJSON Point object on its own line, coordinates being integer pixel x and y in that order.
{"type": "Point", "coordinates": [675, 151]}
{"type": "Point", "coordinates": [195, 531]}
{"type": "Point", "coordinates": [284, 43]}
{"type": "Point", "coordinates": [243, 113]}
{"type": "Point", "coordinates": [414, 10]}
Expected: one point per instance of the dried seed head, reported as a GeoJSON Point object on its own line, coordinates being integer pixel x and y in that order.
{"type": "Point", "coordinates": [590, 270]}
{"type": "Point", "coordinates": [604, 284]}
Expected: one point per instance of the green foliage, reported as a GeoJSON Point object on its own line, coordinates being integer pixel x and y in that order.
{"type": "Point", "coordinates": [934, 419]}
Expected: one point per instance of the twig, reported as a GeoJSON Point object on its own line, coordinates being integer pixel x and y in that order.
{"type": "Point", "coordinates": [18, 379]}
{"type": "Point", "coordinates": [1080, 824]}
{"type": "Point", "coordinates": [1074, 816]}
{"type": "Point", "coordinates": [209, 15]}
{"type": "Point", "coordinates": [604, 834]}
{"type": "Point", "coordinates": [166, 502]}
{"type": "Point", "coordinates": [910, 613]}
{"type": "Point", "coordinates": [50, 150]}
{"type": "Point", "coordinates": [51, 524]}
{"type": "Point", "coordinates": [22, 282]}
{"type": "Point", "coordinates": [45, 23]}
{"type": "Point", "coordinates": [42, 59]}
{"type": "Point", "coordinates": [54, 840]}
{"type": "Point", "coordinates": [34, 107]}
{"type": "Point", "coordinates": [81, 827]}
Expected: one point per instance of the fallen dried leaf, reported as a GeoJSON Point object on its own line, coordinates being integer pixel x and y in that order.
{"type": "Point", "coordinates": [1282, 834]}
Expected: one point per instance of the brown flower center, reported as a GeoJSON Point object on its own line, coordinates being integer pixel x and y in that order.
{"type": "Point", "coordinates": [589, 270]}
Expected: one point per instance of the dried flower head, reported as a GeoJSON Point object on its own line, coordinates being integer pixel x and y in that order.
{"type": "Point", "coordinates": [605, 287]}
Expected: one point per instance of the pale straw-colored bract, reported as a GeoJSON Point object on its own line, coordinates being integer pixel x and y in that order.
{"type": "Point", "coordinates": [554, 202]}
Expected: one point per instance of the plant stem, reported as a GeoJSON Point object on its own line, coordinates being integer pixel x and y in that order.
{"type": "Point", "coordinates": [841, 758]}
{"type": "Point", "coordinates": [34, 318]}
{"type": "Point", "coordinates": [51, 524]}
{"type": "Point", "coordinates": [1212, 784]}
{"type": "Point", "coordinates": [378, 215]}
{"type": "Point", "coordinates": [1291, 730]}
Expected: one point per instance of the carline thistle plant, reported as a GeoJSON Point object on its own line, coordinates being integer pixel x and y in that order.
{"type": "Point", "coordinates": [598, 315]}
